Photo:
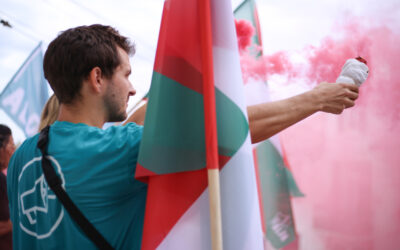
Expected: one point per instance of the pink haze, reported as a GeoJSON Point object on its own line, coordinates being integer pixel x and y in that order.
{"type": "Point", "coordinates": [349, 165]}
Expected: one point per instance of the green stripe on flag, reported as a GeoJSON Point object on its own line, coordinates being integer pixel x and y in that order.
{"type": "Point", "coordinates": [232, 125]}
{"type": "Point", "coordinates": [275, 195]}
{"type": "Point", "coordinates": [293, 188]}
{"type": "Point", "coordinates": [173, 138]}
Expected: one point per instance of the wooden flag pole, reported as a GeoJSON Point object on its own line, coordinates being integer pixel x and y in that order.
{"type": "Point", "coordinates": [210, 119]}
{"type": "Point", "coordinates": [215, 208]}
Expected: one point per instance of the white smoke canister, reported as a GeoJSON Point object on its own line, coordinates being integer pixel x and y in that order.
{"type": "Point", "coordinates": [354, 71]}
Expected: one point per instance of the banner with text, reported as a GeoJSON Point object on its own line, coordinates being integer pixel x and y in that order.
{"type": "Point", "coordinates": [25, 95]}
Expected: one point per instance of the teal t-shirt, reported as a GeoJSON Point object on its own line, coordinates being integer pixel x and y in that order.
{"type": "Point", "coordinates": [97, 169]}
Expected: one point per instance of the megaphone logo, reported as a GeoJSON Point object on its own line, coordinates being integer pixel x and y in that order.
{"type": "Point", "coordinates": [40, 212]}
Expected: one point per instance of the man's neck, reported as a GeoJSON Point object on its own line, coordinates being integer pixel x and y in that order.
{"type": "Point", "coordinates": [82, 114]}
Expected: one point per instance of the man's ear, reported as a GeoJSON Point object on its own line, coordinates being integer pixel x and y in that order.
{"type": "Point", "coordinates": [96, 79]}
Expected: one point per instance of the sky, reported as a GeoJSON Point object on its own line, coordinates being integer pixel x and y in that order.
{"type": "Point", "coordinates": [346, 165]}
{"type": "Point", "coordinates": [35, 21]}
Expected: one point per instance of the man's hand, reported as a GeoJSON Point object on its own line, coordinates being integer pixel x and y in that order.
{"type": "Point", "coordinates": [334, 98]}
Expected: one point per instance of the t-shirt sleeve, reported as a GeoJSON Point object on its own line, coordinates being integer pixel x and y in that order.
{"type": "Point", "coordinates": [134, 132]}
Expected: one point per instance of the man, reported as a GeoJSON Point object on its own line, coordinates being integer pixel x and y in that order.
{"type": "Point", "coordinates": [7, 148]}
{"type": "Point", "coordinates": [88, 69]}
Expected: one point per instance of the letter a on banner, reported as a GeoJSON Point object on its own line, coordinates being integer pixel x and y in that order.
{"type": "Point", "coordinates": [25, 95]}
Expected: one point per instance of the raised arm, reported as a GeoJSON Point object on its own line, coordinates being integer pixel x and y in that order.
{"type": "Point", "coordinates": [138, 116]}
{"type": "Point", "coordinates": [267, 119]}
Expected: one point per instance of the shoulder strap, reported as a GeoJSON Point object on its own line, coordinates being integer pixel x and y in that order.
{"type": "Point", "coordinates": [54, 183]}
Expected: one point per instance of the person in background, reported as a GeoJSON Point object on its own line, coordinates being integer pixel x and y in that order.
{"type": "Point", "coordinates": [50, 112]}
{"type": "Point", "coordinates": [7, 148]}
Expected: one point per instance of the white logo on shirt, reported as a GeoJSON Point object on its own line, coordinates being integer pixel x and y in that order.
{"type": "Point", "coordinates": [39, 212]}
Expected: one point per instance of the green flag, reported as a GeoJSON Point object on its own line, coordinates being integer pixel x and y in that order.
{"type": "Point", "coordinates": [275, 181]}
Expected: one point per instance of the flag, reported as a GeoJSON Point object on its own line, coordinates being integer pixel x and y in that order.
{"type": "Point", "coordinates": [275, 181]}
{"type": "Point", "coordinates": [247, 10]}
{"type": "Point", "coordinates": [26, 94]}
{"type": "Point", "coordinates": [172, 156]}
{"type": "Point", "coordinates": [278, 219]}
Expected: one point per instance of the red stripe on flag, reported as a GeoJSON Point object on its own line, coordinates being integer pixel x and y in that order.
{"type": "Point", "coordinates": [258, 27]}
{"type": "Point", "coordinates": [142, 173]}
{"type": "Point", "coordinates": [168, 198]}
{"type": "Point", "coordinates": [179, 42]}
{"type": "Point", "coordinates": [260, 200]}
{"type": "Point", "coordinates": [222, 160]}
{"type": "Point", "coordinates": [180, 71]}
{"type": "Point", "coordinates": [284, 155]}
{"type": "Point", "coordinates": [294, 245]}
{"type": "Point", "coordinates": [210, 116]}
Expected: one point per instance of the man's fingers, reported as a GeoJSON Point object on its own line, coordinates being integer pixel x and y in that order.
{"type": "Point", "coordinates": [350, 86]}
{"type": "Point", "coordinates": [336, 109]}
{"type": "Point", "coordinates": [352, 95]}
{"type": "Point", "coordinates": [348, 103]}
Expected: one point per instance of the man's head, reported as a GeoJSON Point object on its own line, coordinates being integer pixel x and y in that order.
{"type": "Point", "coordinates": [71, 57]}
{"type": "Point", "coordinates": [117, 90]}
{"type": "Point", "coordinates": [7, 146]}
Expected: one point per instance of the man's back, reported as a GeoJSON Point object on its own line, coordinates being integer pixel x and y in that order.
{"type": "Point", "coordinates": [97, 169]}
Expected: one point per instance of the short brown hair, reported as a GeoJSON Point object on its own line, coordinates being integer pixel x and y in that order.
{"type": "Point", "coordinates": [75, 52]}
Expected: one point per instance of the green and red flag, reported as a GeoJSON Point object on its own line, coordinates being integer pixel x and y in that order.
{"type": "Point", "coordinates": [275, 181]}
{"type": "Point", "coordinates": [247, 10]}
{"type": "Point", "coordinates": [172, 156]}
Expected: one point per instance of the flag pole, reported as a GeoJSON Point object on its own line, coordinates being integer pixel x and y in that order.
{"type": "Point", "coordinates": [210, 125]}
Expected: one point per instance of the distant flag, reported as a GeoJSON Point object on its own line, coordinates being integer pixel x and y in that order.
{"type": "Point", "coordinates": [275, 181]}
{"type": "Point", "coordinates": [247, 10]}
{"type": "Point", "coordinates": [26, 94]}
{"type": "Point", "coordinates": [172, 156]}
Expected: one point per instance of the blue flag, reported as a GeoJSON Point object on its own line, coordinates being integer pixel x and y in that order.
{"type": "Point", "coordinates": [25, 95]}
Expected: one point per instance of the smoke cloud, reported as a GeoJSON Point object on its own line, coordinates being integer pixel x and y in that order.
{"type": "Point", "coordinates": [347, 165]}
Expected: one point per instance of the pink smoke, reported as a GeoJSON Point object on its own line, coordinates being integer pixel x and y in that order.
{"type": "Point", "coordinates": [244, 31]}
{"type": "Point", "coordinates": [379, 46]}
{"type": "Point", "coordinates": [326, 60]}
{"type": "Point", "coordinates": [255, 66]}
{"type": "Point", "coordinates": [348, 165]}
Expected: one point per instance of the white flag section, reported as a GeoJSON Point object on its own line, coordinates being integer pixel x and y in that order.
{"type": "Point", "coordinates": [26, 94]}
{"type": "Point", "coordinates": [241, 220]}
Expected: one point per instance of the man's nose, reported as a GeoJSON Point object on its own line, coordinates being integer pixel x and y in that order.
{"type": "Point", "coordinates": [132, 90]}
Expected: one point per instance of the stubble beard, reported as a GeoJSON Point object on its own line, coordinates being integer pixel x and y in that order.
{"type": "Point", "coordinates": [115, 112]}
